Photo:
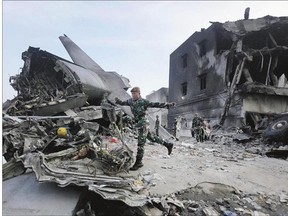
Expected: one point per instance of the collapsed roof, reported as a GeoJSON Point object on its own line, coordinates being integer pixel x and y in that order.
{"type": "Point", "coordinates": [256, 64]}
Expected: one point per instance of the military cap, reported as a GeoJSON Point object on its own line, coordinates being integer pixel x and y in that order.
{"type": "Point", "coordinates": [135, 89]}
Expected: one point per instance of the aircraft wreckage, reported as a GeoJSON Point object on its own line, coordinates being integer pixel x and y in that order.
{"type": "Point", "coordinates": [55, 94]}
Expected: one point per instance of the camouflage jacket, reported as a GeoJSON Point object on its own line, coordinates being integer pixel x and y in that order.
{"type": "Point", "coordinates": [157, 124]}
{"type": "Point", "coordinates": [197, 121]}
{"type": "Point", "coordinates": [139, 107]}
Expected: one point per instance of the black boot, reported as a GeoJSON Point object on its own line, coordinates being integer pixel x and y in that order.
{"type": "Point", "coordinates": [138, 163]}
{"type": "Point", "coordinates": [169, 146]}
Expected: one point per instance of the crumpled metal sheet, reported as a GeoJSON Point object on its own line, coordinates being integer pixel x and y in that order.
{"type": "Point", "coordinates": [127, 196]}
{"type": "Point", "coordinates": [58, 167]}
{"type": "Point", "coordinates": [22, 135]}
{"type": "Point", "coordinates": [12, 168]}
{"type": "Point", "coordinates": [58, 106]}
{"type": "Point", "coordinates": [166, 201]}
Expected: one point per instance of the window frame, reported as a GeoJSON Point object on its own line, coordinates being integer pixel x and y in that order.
{"type": "Point", "coordinates": [184, 88]}
{"type": "Point", "coordinates": [202, 48]}
{"type": "Point", "coordinates": [203, 82]}
{"type": "Point", "coordinates": [184, 61]}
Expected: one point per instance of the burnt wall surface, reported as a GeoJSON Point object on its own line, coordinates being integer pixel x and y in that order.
{"type": "Point", "coordinates": [208, 68]}
{"type": "Point", "coordinates": [203, 74]}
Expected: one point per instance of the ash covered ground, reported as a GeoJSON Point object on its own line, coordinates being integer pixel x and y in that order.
{"type": "Point", "coordinates": [222, 176]}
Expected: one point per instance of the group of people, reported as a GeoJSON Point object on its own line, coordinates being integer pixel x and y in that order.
{"type": "Point", "coordinates": [200, 128]}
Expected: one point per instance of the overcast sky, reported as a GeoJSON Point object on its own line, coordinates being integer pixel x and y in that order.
{"type": "Point", "coordinates": [133, 38]}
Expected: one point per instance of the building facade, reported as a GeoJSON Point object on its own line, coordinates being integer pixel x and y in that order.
{"type": "Point", "coordinates": [233, 73]}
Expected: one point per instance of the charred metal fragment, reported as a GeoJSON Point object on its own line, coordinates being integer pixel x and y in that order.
{"type": "Point", "coordinates": [22, 137]}
{"type": "Point", "coordinates": [58, 167]}
{"type": "Point", "coordinates": [278, 154]}
{"type": "Point", "coordinates": [12, 168]}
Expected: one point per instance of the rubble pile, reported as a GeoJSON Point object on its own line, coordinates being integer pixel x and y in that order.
{"type": "Point", "coordinates": [87, 139]}
{"type": "Point", "coordinates": [81, 150]}
{"type": "Point", "coordinates": [250, 143]}
{"type": "Point", "coordinates": [95, 153]}
{"type": "Point", "coordinates": [212, 199]}
{"type": "Point", "coordinates": [64, 129]}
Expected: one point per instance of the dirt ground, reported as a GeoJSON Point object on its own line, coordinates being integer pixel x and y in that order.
{"type": "Point", "coordinates": [218, 176]}
{"type": "Point", "coordinates": [228, 175]}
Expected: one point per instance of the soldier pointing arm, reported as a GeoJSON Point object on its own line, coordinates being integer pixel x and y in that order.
{"type": "Point", "coordinates": [138, 106]}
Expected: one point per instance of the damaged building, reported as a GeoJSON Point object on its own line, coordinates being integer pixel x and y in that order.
{"type": "Point", "coordinates": [63, 128]}
{"type": "Point", "coordinates": [232, 73]}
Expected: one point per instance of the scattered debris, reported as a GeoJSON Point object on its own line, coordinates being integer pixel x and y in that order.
{"type": "Point", "coordinates": [64, 127]}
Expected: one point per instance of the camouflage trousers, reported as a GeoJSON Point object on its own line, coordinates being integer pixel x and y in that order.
{"type": "Point", "coordinates": [143, 135]}
{"type": "Point", "coordinates": [157, 131]}
{"type": "Point", "coordinates": [199, 134]}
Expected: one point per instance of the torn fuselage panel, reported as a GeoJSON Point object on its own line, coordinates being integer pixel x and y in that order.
{"type": "Point", "coordinates": [90, 82]}
{"type": "Point", "coordinates": [42, 77]}
{"type": "Point", "coordinates": [49, 84]}
{"type": "Point", "coordinates": [44, 82]}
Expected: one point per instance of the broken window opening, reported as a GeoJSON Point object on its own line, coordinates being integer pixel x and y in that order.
{"type": "Point", "coordinates": [203, 82]}
{"type": "Point", "coordinates": [267, 67]}
{"type": "Point", "coordinates": [269, 38]}
{"type": "Point", "coordinates": [184, 88]}
{"type": "Point", "coordinates": [268, 48]}
{"type": "Point", "coordinates": [224, 42]}
{"type": "Point", "coordinates": [184, 60]}
{"type": "Point", "coordinates": [202, 48]}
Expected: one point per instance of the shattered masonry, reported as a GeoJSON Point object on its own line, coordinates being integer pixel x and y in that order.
{"type": "Point", "coordinates": [233, 73]}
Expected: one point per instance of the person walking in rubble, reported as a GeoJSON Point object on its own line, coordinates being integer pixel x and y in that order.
{"type": "Point", "coordinates": [178, 127]}
{"type": "Point", "coordinates": [157, 124]}
{"type": "Point", "coordinates": [174, 127]}
{"type": "Point", "coordinates": [138, 106]}
{"type": "Point", "coordinates": [197, 124]}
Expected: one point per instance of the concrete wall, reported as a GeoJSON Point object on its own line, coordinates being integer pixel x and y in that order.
{"type": "Point", "coordinates": [224, 50]}
{"type": "Point", "coordinates": [208, 102]}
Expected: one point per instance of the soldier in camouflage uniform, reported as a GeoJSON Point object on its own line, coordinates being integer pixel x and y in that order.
{"type": "Point", "coordinates": [157, 124]}
{"type": "Point", "coordinates": [138, 107]}
{"type": "Point", "coordinates": [197, 124]}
